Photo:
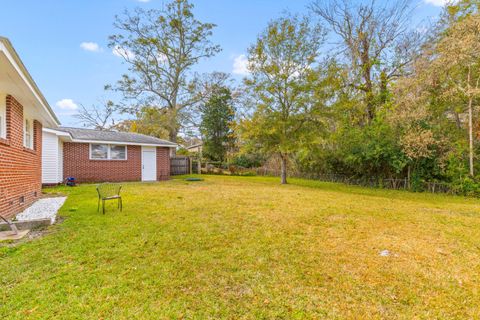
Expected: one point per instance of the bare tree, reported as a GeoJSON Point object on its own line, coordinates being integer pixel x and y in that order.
{"type": "Point", "coordinates": [98, 117]}
{"type": "Point", "coordinates": [160, 47]}
{"type": "Point", "coordinates": [375, 39]}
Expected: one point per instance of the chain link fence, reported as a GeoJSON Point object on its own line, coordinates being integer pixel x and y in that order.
{"type": "Point", "coordinates": [372, 182]}
{"type": "Point", "coordinates": [394, 184]}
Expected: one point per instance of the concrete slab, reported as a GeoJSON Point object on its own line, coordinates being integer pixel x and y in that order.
{"type": "Point", "coordinates": [31, 224]}
{"type": "Point", "coordinates": [10, 235]}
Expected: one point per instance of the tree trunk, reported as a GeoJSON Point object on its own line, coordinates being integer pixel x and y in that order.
{"type": "Point", "coordinates": [367, 75]}
{"type": "Point", "coordinates": [172, 135]}
{"type": "Point", "coordinates": [408, 178]}
{"type": "Point", "coordinates": [470, 122]}
{"type": "Point", "coordinates": [283, 174]}
{"type": "Point", "coordinates": [383, 87]}
{"type": "Point", "coordinates": [470, 135]}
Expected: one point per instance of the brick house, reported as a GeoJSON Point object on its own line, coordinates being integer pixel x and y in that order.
{"type": "Point", "coordinates": [99, 156]}
{"type": "Point", "coordinates": [23, 113]}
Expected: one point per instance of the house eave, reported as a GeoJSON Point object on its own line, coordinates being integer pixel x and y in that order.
{"type": "Point", "coordinates": [67, 137]}
{"type": "Point", "coordinates": [12, 56]}
{"type": "Point", "coordinates": [124, 143]}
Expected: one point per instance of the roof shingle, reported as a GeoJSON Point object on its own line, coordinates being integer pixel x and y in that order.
{"type": "Point", "coordinates": [114, 136]}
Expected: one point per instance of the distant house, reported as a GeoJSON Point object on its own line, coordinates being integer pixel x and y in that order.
{"type": "Point", "coordinates": [195, 148]}
{"type": "Point", "coordinates": [23, 113]}
{"type": "Point", "coordinates": [97, 156]}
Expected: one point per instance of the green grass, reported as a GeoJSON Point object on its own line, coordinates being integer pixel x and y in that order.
{"type": "Point", "coordinates": [247, 247]}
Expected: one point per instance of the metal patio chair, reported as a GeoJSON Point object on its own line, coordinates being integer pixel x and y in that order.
{"type": "Point", "coordinates": [109, 191]}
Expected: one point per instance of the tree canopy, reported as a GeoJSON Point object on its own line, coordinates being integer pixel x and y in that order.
{"type": "Point", "coordinates": [353, 89]}
{"type": "Point", "coordinates": [216, 127]}
{"type": "Point", "coordinates": [160, 48]}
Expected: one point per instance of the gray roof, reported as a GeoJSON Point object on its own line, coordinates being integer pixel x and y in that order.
{"type": "Point", "coordinates": [114, 136]}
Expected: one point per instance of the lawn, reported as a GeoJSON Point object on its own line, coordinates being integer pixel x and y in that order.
{"type": "Point", "coordinates": [249, 248]}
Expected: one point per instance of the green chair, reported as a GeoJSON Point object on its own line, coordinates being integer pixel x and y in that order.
{"type": "Point", "coordinates": [109, 191]}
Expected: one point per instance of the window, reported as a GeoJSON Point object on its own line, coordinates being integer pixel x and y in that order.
{"type": "Point", "coordinates": [27, 134]}
{"type": "Point", "coordinates": [108, 152]}
{"type": "Point", "coordinates": [118, 152]}
{"type": "Point", "coordinates": [99, 151]}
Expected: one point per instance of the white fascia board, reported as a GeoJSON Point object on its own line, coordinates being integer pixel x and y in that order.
{"type": "Point", "coordinates": [57, 132]}
{"type": "Point", "coordinates": [124, 143]}
{"type": "Point", "coordinates": [7, 48]}
{"type": "Point", "coordinates": [62, 135]}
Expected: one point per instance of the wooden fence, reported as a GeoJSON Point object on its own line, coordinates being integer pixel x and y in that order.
{"type": "Point", "coordinates": [179, 165]}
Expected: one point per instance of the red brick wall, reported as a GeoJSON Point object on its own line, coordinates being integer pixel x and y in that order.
{"type": "Point", "coordinates": [163, 163]}
{"type": "Point", "coordinates": [77, 163]}
{"type": "Point", "coordinates": [20, 168]}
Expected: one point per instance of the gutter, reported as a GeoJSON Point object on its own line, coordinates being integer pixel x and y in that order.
{"type": "Point", "coordinates": [125, 143]}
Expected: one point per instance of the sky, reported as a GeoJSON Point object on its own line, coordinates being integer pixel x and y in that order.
{"type": "Point", "coordinates": [64, 43]}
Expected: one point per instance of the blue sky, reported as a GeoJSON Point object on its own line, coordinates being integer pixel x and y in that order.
{"type": "Point", "coordinates": [64, 43]}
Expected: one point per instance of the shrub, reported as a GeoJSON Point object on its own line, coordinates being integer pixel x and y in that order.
{"type": "Point", "coordinates": [466, 186]}
{"type": "Point", "coordinates": [248, 160]}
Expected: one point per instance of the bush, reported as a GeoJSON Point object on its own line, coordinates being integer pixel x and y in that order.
{"type": "Point", "coordinates": [248, 161]}
{"type": "Point", "coordinates": [466, 186]}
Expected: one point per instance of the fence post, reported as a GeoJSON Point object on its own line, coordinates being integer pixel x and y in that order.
{"type": "Point", "coordinates": [190, 164]}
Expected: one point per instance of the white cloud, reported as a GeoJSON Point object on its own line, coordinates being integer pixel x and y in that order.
{"type": "Point", "coordinates": [240, 65]}
{"type": "Point", "coordinates": [123, 53]}
{"type": "Point", "coordinates": [90, 46]}
{"type": "Point", "coordinates": [438, 3]}
{"type": "Point", "coordinates": [67, 104]}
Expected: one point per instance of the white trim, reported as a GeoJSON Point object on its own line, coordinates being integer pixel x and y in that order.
{"type": "Point", "coordinates": [58, 133]}
{"type": "Point", "coordinates": [123, 143]}
{"type": "Point", "coordinates": [29, 144]}
{"type": "Point", "coordinates": [108, 152]}
{"type": "Point", "coordinates": [10, 53]}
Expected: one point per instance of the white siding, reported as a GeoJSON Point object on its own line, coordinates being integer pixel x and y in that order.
{"type": "Point", "coordinates": [60, 160]}
{"type": "Point", "coordinates": [50, 158]}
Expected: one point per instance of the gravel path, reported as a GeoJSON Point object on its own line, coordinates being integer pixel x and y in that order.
{"type": "Point", "coordinates": [42, 209]}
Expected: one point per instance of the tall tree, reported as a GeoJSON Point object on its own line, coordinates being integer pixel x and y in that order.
{"type": "Point", "coordinates": [283, 80]}
{"type": "Point", "coordinates": [160, 48]}
{"type": "Point", "coordinates": [216, 128]}
{"type": "Point", "coordinates": [376, 41]}
{"type": "Point", "coordinates": [149, 121]}
{"type": "Point", "coordinates": [457, 63]}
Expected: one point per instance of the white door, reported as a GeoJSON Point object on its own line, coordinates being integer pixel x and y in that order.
{"type": "Point", "coordinates": [149, 164]}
